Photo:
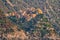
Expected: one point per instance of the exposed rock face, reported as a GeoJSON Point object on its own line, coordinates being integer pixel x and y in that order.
{"type": "Point", "coordinates": [17, 35]}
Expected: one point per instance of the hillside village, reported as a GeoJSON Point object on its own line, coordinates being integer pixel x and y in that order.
{"type": "Point", "coordinates": [28, 13]}
{"type": "Point", "coordinates": [29, 20]}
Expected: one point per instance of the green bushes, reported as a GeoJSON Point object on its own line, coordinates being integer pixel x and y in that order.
{"type": "Point", "coordinates": [45, 19]}
{"type": "Point", "coordinates": [2, 21]}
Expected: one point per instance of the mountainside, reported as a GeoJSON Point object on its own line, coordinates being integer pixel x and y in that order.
{"type": "Point", "coordinates": [29, 19]}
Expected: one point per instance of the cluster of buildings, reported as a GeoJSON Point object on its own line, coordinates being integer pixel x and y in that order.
{"type": "Point", "coordinates": [28, 14]}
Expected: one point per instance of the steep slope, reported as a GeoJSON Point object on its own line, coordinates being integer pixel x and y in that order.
{"type": "Point", "coordinates": [9, 30]}
{"type": "Point", "coordinates": [45, 26]}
